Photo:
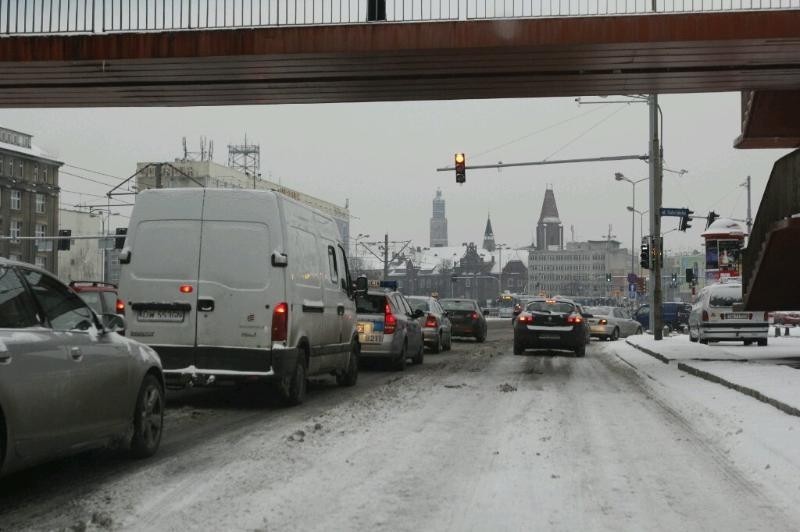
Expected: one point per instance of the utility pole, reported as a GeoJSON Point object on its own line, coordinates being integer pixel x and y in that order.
{"type": "Point", "coordinates": [386, 256]}
{"type": "Point", "coordinates": [749, 220]}
{"type": "Point", "coordinates": [655, 162]}
{"type": "Point", "coordinates": [158, 175]}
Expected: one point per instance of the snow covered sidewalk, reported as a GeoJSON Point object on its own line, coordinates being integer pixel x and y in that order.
{"type": "Point", "coordinates": [760, 372]}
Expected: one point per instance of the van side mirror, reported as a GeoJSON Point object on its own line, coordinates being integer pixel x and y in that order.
{"type": "Point", "coordinates": [361, 284]}
{"type": "Point", "coordinates": [125, 256]}
{"type": "Point", "coordinates": [279, 260]}
{"type": "Point", "coordinates": [418, 313]}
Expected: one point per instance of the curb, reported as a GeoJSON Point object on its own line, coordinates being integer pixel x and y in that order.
{"type": "Point", "coordinates": [646, 351]}
{"type": "Point", "coordinates": [792, 411]}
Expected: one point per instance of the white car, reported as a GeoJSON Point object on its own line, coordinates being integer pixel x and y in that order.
{"type": "Point", "coordinates": [239, 285]}
{"type": "Point", "coordinates": [611, 323]}
{"type": "Point", "coordinates": [713, 318]}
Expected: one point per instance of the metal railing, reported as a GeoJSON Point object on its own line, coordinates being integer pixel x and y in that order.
{"type": "Point", "coordinates": [20, 17]}
{"type": "Point", "coordinates": [781, 200]}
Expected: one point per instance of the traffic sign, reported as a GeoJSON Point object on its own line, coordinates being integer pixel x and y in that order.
{"type": "Point", "coordinates": [631, 278]}
{"type": "Point", "coordinates": [670, 211]}
{"type": "Point", "coordinates": [632, 291]}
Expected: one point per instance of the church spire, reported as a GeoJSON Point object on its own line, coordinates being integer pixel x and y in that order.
{"type": "Point", "coordinates": [488, 235]}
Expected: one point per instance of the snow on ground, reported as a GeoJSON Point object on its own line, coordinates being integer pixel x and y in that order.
{"type": "Point", "coordinates": [759, 439]}
{"type": "Point", "coordinates": [678, 347]}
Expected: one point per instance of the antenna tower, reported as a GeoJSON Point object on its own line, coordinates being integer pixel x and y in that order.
{"type": "Point", "coordinates": [206, 152]}
{"type": "Point", "coordinates": [245, 158]}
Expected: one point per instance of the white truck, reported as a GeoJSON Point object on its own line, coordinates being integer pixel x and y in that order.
{"type": "Point", "coordinates": [239, 285]}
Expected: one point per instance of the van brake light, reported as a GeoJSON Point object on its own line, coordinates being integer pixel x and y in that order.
{"type": "Point", "coordinates": [280, 322]}
{"type": "Point", "coordinates": [120, 307]}
{"type": "Point", "coordinates": [705, 315]}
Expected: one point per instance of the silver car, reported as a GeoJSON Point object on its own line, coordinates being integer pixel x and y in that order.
{"type": "Point", "coordinates": [388, 328]}
{"type": "Point", "coordinates": [611, 323]}
{"type": "Point", "coordinates": [68, 381]}
{"type": "Point", "coordinates": [436, 328]}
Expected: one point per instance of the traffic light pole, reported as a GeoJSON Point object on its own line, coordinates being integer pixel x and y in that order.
{"type": "Point", "coordinates": [655, 159]}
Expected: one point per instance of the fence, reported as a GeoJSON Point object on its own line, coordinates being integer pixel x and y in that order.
{"type": "Point", "coordinates": [20, 17]}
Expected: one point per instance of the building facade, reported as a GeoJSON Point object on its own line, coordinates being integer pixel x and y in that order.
{"type": "Point", "coordinates": [29, 194]}
{"type": "Point", "coordinates": [189, 173]}
{"type": "Point", "coordinates": [438, 235]}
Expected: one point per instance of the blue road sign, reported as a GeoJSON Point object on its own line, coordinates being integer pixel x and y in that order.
{"type": "Point", "coordinates": [632, 291]}
{"type": "Point", "coordinates": [669, 211]}
{"type": "Point", "coordinates": [632, 277]}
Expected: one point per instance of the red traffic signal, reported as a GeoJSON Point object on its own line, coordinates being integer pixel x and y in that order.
{"type": "Point", "coordinates": [461, 168]}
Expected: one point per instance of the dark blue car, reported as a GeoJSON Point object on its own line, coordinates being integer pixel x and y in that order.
{"type": "Point", "coordinates": [675, 315]}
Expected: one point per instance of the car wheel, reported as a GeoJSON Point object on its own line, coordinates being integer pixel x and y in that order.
{"type": "Point", "coordinates": [449, 342]}
{"type": "Point", "coordinates": [438, 346]}
{"type": "Point", "coordinates": [762, 342]}
{"type": "Point", "coordinates": [702, 341]}
{"type": "Point", "coordinates": [639, 330]}
{"type": "Point", "coordinates": [580, 351]}
{"type": "Point", "coordinates": [293, 387]}
{"type": "Point", "coordinates": [148, 418]}
{"type": "Point", "coordinates": [420, 356]}
{"type": "Point", "coordinates": [399, 364]}
{"type": "Point", "coordinates": [350, 376]}
{"type": "Point", "coordinates": [748, 342]}
{"type": "Point", "coordinates": [614, 335]}
{"type": "Point", "coordinates": [692, 338]}
{"type": "Point", "coordinates": [519, 348]}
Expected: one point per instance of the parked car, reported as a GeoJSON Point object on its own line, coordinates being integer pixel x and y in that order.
{"type": "Point", "coordinates": [786, 318]}
{"type": "Point", "coordinates": [675, 315]}
{"type": "Point", "coordinates": [239, 285]}
{"type": "Point", "coordinates": [68, 381]}
{"type": "Point", "coordinates": [552, 323]}
{"type": "Point", "coordinates": [611, 323]}
{"type": "Point", "coordinates": [100, 296]}
{"type": "Point", "coordinates": [436, 327]}
{"type": "Point", "coordinates": [466, 318]}
{"type": "Point", "coordinates": [713, 317]}
{"type": "Point", "coordinates": [389, 329]}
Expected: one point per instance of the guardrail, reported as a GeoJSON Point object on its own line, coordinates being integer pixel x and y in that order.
{"type": "Point", "coordinates": [44, 17]}
{"type": "Point", "coordinates": [781, 200]}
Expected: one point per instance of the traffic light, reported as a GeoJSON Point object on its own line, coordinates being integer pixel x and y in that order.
{"type": "Point", "coordinates": [674, 279]}
{"type": "Point", "coordinates": [640, 285]}
{"type": "Point", "coordinates": [684, 225]}
{"type": "Point", "coordinates": [710, 218]}
{"type": "Point", "coordinates": [64, 243]}
{"type": "Point", "coordinates": [644, 256]}
{"type": "Point", "coordinates": [461, 168]}
{"type": "Point", "coordinates": [608, 277]}
{"type": "Point", "coordinates": [690, 276]}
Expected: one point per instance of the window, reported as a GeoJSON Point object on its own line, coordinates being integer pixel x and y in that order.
{"type": "Point", "coordinates": [44, 175]}
{"type": "Point", "coordinates": [36, 173]}
{"type": "Point", "coordinates": [10, 167]}
{"type": "Point", "coordinates": [41, 261]}
{"type": "Point", "coordinates": [16, 305]}
{"type": "Point", "coordinates": [40, 231]}
{"type": "Point", "coordinates": [16, 200]}
{"type": "Point", "coordinates": [15, 230]}
{"type": "Point", "coordinates": [332, 265]}
{"type": "Point", "coordinates": [20, 169]}
{"type": "Point", "coordinates": [64, 310]}
{"type": "Point", "coordinates": [40, 202]}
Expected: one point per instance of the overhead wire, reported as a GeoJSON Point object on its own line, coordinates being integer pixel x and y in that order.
{"type": "Point", "coordinates": [94, 171]}
{"type": "Point", "coordinates": [592, 127]}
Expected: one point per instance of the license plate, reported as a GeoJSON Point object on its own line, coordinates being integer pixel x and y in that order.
{"type": "Point", "coordinates": [373, 338]}
{"type": "Point", "coordinates": [737, 316]}
{"type": "Point", "coordinates": [598, 328]}
{"type": "Point", "coordinates": [174, 316]}
{"type": "Point", "coordinates": [364, 327]}
{"type": "Point", "coordinates": [549, 337]}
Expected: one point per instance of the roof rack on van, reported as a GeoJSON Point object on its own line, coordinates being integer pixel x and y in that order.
{"type": "Point", "coordinates": [92, 283]}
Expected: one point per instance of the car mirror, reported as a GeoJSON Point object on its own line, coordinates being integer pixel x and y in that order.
{"type": "Point", "coordinates": [445, 314]}
{"type": "Point", "coordinates": [113, 322]}
{"type": "Point", "coordinates": [418, 313]}
{"type": "Point", "coordinates": [587, 315]}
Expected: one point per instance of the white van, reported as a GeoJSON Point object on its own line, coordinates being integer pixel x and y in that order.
{"type": "Point", "coordinates": [239, 285]}
{"type": "Point", "coordinates": [713, 317]}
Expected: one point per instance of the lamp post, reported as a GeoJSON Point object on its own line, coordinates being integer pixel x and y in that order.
{"type": "Point", "coordinates": [641, 225]}
{"type": "Point", "coordinates": [619, 176]}
{"type": "Point", "coordinates": [500, 248]}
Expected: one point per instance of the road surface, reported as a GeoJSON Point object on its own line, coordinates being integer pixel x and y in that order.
{"type": "Point", "coordinates": [474, 439]}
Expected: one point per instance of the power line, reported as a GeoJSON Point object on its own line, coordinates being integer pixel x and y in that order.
{"type": "Point", "coordinates": [87, 178]}
{"type": "Point", "coordinates": [595, 125]}
{"type": "Point", "coordinates": [94, 172]}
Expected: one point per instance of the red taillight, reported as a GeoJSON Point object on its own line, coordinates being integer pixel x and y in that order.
{"type": "Point", "coordinates": [705, 315]}
{"type": "Point", "coordinates": [525, 318]}
{"type": "Point", "coordinates": [120, 306]}
{"type": "Point", "coordinates": [574, 319]}
{"type": "Point", "coordinates": [431, 322]}
{"type": "Point", "coordinates": [186, 289]}
{"type": "Point", "coordinates": [603, 322]}
{"type": "Point", "coordinates": [389, 320]}
{"type": "Point", "coordinates": [280, 322]}
{"type": "Point", "coordinates": [474, 316]}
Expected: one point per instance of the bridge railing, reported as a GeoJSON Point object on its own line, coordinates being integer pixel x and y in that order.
{"type": "Point", "coordinates": [19, 17]}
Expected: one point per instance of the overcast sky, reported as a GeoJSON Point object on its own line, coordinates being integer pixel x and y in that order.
{"type": "Point", "coordinates": [383, 158]}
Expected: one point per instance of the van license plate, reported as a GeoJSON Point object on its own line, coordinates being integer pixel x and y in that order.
{"type": "Point", "coordinates": [175, 316]}
{"type": "Point", "coordinates": [737, 316]}
{"type": "Point", "coordinates": [371, 338]}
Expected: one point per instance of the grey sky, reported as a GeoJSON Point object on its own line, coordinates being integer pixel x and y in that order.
{"type": "Point", "coordinates": [383, 158]}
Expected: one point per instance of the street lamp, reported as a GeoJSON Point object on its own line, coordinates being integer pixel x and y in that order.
{"type": "Point", "coordinates": [500, 248]}
{"type": "Point", "coordinates": [619, 176]}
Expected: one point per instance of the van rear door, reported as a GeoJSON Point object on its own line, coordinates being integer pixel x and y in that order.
{"type": "Point", "coordinates": [238, 288]}
{"type": "Point", "coordinates": [159, 285]}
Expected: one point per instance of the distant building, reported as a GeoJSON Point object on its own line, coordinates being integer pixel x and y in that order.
{"type": "Point", "coordinates": [438, 222]}
{"type": "Point", "coordinates": [28, 200]}
{"type": "Point", "coordinates": [205, 173]}
{"type": "Point", "coordinates": [488, 236]}
{"type": "Point", "coordinates": [549, 230]}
